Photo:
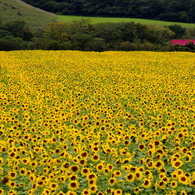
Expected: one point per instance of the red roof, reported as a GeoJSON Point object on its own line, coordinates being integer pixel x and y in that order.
{"type": "Point", "coordinates": [182, 42]}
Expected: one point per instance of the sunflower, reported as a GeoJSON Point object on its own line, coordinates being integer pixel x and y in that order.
{"type": "Point", "coordinates": [100, 193]}
{"type": "Point", "coordinates": [159, 164]}
{"type": "Point", "coordinates": [1, 161]}
{"type": "Point", "coordinates": [40, 183]}
{"type": "Point", "coordinates": [118, 192]}
{"type": "Point", "coordinates": [179, 172]}
{"type": "Point", "coordinates": [34, 164]}
{"type": "Point", "coordinates": [71, 193]}
{"type": "Point", "coordinates": [61, 193]}
{"type": "Point", "coordinates": [95, 158]}
{"type": "Point", "coordinates": [12, 184]}
{"type": "Point", "coordinates": [147, 183]}
{"type": "Point", "coordinates": [65, 166]}
{"type": "Point", "coordinates": [86, 192]}
{"type": "Point", "coordinates": [12, 174]}
{"type": "Point", "coordinates": [150, 164]}
{"type": "Point", "coordinates": [137, 190]}
{"type": "Point", "coordinates": [73, 185]}
{"type": "Point", "coordinates": [141, 147]}
{"type": "Point", "coordinates": [161, 184]}
{"type": "Point", "coordinates": [165, 179]}
{"type": "Point", "coordinates": [74, 168]}
{"type": "Point", "coordinates": [100, 167]}
{"type": "Point", "coordinates": [1, 191]}
{"type": "Point", "coordinates": [12, 192]}
{"type": "Point", "coordinates": [174, 184]}
{"type": "Point", "coordinates": [192, 182]}
{"type": "Point", "coordinates": [109, 167]}
{"type": "Point", "coordinates": [184, 179]}
{"type": "Point", "coordinates": [84, 154]}
{"type": "Point", "coordinates": [173, 192]}
{"type": "Point", "coordinates": [183, 192]}
{"type": "Point", "coordinates": [93, 188]}
{"type": "Point", "coordinates": [82, 162]}
{"type": "Point", "coordinates": [91, 182]}
{"type": "Point", "coordinates": [12, 154]}
{"type": "Point", "coordinates": [85, 171]}
{"type": "Point", "coordinates": [138, 175]}
{"type": "Point", "coordinates": [177, 163]}
{"type": "Point", "coordinates": [75, 159]}
{"type": "Point", "coordinates": [46, 192]}
{"type": "Point", "coordinates": [72, 177]}
{"type": "Point", "coordinates": [112, 181]}
{"type": "Point", "coordinates": [53, 186]}
{"type": "Point", "coordinates": [117, 173]}
{"type": "Point", "coordinates": [130, 177]}
{"type": "Point", "coordinates": [23, 171]}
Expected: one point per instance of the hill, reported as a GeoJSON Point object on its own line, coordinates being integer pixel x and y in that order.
{"type": "Point", "coordinates": [94, 20]}
{"type": "Point", "coordinates": [35, 18]}
{"type": "Point", "coordinates": [166, 10]}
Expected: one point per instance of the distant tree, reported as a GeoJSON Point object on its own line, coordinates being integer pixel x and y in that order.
{"type": "Point", "coordinates": [76, 7]}
{"type": "Point", "coordinates": [10, 42]}
{"type": "Point", "coordinates": [38, 43]}
{"type": "Point", "coordinates": [18, 29]}
{"type": "Point", "coordinates": [81, 32]}
{"type": "Point", "coordinates": [184, 16]}
{"type": "Point", "coordinates": [191, 46]}
{"type": "Point", "coordinates": [192, 11]}
{"type": "Point", "coordinates": [57, 31]}
{"type": "Point", "coordinates": [128, 31]}
{"type": "Point", "coordinates": [4, 33]}
{"type": "Point", "coordinates": [81, 26]}
{"type": "Point", "coordinates": [170, 10]}
{"type": "Point", "coordinates": [80, 40]}
{"type": "Point", "coordinates": [110, 32]}
{"type": "Point", "coordinates": [164, 34]}
{"type": "Point", "coordinates": [125, 46]}
{"type": "Point", "coordinates": [178, 30]}
{"type": "Point", "coordinates": [96, 44]}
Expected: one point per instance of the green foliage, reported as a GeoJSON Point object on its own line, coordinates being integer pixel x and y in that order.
{"type": "Point", "coordinates": [96, 44]}
{"type": "Point", "coordinates": [38, 43]}
{"type": "Point", "coordinates": [79, 40]}
{"type": "Point", "coordinates": [178, 30]}
{"type": "Point", "coordinates": [18, 29]}
{"type": "Point", "coordinates": [10, 42]}
{"type": "Point", "coordinates": [56, 31]}
{"type": "Point", "coordinates": [81, 26]}
{"type": "Point", "coordinates": [85, 36]}
{"type": "Point", "coordinates": [179, 11]}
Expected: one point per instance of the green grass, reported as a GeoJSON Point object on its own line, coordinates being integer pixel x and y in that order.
{"type": "Point", "coordinates": [68, 19]}
{"type": "Point", "coordinates": [17, 10]}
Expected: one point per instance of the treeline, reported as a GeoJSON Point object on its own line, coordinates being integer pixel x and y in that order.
{"type": "Point", "coordinates": [168, 10]}
{"type": "Point", "coordinates": [84, 36]}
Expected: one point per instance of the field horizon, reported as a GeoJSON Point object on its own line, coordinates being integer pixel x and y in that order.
{"type": "Point", "coordinates": [94, 19]}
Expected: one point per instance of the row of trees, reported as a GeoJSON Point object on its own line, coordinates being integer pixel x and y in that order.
{"type": "Point", "coordinates": [169, 10]}
{"type": "Point", "coordinates": [82, 35]}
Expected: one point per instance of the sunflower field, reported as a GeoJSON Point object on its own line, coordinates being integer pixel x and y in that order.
{"type": "Point", "coordinates": [110, 123]}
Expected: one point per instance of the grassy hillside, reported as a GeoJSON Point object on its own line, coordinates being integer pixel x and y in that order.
{"type": "Point", "coordinates": [68, 18]}
{"type": "Point", "coordinates": [18, 10]}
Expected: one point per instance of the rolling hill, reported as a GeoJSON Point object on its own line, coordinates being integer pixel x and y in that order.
{"type": "Point", "coordinates": [35, 18]}
{"type": "Point", "coordinates": [68, 19]}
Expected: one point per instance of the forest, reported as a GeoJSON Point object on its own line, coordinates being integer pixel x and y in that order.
{"type": "Point", "coordinates": [84, 36]}
{"type": "Point", "coordinates": [167, 10]}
